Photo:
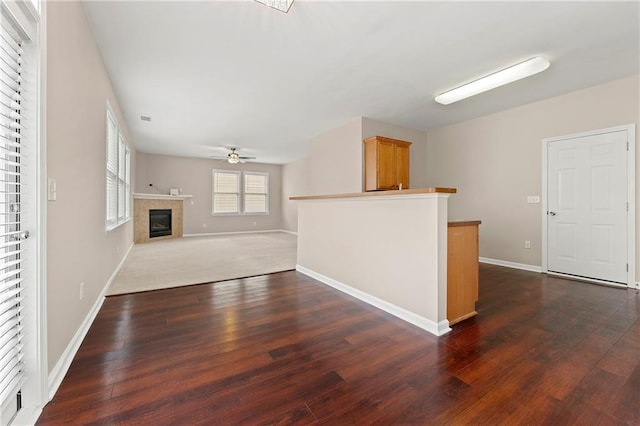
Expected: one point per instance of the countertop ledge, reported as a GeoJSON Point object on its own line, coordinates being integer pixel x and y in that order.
{"type": "Point", "coordinates": [431, 190]}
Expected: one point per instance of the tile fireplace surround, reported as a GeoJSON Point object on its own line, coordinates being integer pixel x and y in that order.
{"type": "Point", "coordinates": [142, 203]}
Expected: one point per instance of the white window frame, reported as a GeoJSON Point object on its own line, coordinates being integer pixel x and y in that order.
{"type": "Point", "coordinates": [213, 193]}
{"type": "Point", "coordinates": [241, 193]}
{"type": "Point", "coordinates": [118, 202]}
{"type": "Point", "coordinates": [245, 193]}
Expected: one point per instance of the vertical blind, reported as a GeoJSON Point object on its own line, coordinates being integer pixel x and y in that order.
{"type": "Point", "coordinates": [12, 209]}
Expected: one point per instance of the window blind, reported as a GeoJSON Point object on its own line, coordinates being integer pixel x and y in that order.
{"type": "Point", "coordinates": [127, 183]}
{"type": "Point", "coordinates": [226, 188]}
{"type": "Point", "coordinates": [118, 177]}
{"type": "Point", "coordinates": [121, 178]}
{"type": "Point", "coordinates": [12, 209]}
{"type": "Point", "coordinates": [112, 170]}
{"type": "Point", "coordinates": [255, 192]}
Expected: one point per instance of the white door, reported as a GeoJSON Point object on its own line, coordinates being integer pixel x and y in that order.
{"type": "Point", "coordinates": [23, 370]}
{"type": "Point", "coordinates": [587, 229]}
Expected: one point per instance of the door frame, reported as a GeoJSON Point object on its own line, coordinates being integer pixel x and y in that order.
{"type": "Point", "coordinates": [631, 196]}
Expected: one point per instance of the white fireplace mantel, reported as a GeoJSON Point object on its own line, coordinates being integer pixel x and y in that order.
{"type": "Point", "coordinates": [140, 196]}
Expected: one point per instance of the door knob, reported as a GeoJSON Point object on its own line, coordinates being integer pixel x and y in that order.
{"type": "Point", "coordinates": [551, 213]}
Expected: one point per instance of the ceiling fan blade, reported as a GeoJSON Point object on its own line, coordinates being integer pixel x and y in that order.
{"type": "Point", "coordinates": [247, 158]}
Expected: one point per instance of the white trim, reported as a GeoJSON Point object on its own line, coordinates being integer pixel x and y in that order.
{"type": "Point", "coordinates": [631, 214]}
{"type": "Point", "coordinates": [432, 327]}
{"type": "Point", "coordinates": [631, 197]}
{"type": "Point", "coordinates": [213, 234]}
{"type": "Point", "coordinates": [288, 232]}
{"type": "Point", "coordinates": [513, 265]}
{"type": "Point", "coordinates": [64, 362]}
{"type": "Point", "coordinates": [141, 196]}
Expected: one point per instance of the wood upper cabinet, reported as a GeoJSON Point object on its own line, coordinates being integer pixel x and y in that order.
{"type": "Point", "coordinates": [386, 163]}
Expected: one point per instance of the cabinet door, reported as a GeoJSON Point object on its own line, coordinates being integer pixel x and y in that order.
{"type": "Point", "coordinates": [387, 173]}
{"type": "Point", "coordinates": [402, 166]}
{"type": "Point", "coordinates": [462, 272]}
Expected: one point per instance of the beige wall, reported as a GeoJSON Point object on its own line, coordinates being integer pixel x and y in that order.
{"type": "Point", "coordinates": [392, 248]}
{"type": "Point", "coordinates": [496, 161]}
{"type": "Point", "coordinates": [295, 181]}
{"type": "Point", "coordinates": [194, 177]}
{"type": "Point", "coordinates": [335, 164]}
{"type": "Point", "coordinates": [78, 248]}
{"type": "Point", "coordinates": [418, 151]}
{"type": "Point", "coordinates": [335, 160]}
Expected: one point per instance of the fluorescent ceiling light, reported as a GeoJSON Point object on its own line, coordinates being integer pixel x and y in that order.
{"type": "Point", "coordinates": [499, 78]}
{"type": "Point", "coordinates": [281, 5]}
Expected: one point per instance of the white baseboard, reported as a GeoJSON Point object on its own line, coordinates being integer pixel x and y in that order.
{"type": "Point", "coordinates": [513, 265]}
{"type": "Point", "coordinates": [212, 234]}
{"type": "Point", "coordinates": [288, 232]}
{"type": "Point", "coordinates": [432, 327]}
{"type": "Point", "coordinates": [64, 362]}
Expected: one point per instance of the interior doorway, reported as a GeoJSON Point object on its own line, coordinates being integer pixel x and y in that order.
{"type": "Point", "coordinates": [588, 205]}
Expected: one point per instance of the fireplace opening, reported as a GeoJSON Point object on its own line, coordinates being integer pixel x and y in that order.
{"type": "Point", "coordinates": [159, 223]}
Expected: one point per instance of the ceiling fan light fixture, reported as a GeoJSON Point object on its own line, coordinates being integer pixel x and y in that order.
{"type": "Point", "coordinates": [281, 5]}
{"type": "Point", "coordinates": [499, 78]}
{"type": "Point", "coordinates": [234, 158]}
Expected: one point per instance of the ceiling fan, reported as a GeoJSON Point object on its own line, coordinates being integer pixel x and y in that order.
{"type": "Point", "coordinates": [233, 157]}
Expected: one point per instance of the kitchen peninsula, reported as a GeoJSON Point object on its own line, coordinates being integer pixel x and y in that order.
{"type": "Point", "coordinates": [387, 248]}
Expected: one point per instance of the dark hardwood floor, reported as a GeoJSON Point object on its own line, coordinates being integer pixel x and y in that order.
{"type": "Point", "coordinates": [285, 349]}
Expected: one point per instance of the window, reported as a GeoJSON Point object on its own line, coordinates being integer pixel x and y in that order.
{"type": "Point", "coordinates": [17, 143]}
{"type": "Point", "coordinates": [255, 192]}
{"type": "Point", "coordinates": [229, 199]}
{"type": "Point", "coordinates": [226, 192]}
{"type": "Point", "coordinates": [118, 180]}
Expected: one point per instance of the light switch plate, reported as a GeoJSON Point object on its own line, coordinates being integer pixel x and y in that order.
{"type": "Point", "coordinates": [52, 189]}
{"type": "Point", "coordinates": [533, 199]}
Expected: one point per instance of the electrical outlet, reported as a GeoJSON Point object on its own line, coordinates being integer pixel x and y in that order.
{"type": "Point", "coordinates": [255, 223]}
{"type": "Point", "coordinates": [82, 290]}
{"type": "Point", "coordinates": [527, 244]}
{"type": "Point", "coordinates": [204, 225]}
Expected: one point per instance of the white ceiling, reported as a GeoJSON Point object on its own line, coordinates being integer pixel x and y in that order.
{"type": "Point", "coordinates": [221, 73]}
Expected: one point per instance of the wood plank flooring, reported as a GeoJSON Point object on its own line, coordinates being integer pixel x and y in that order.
{"type": "Point", "coordinates": [285, 349]}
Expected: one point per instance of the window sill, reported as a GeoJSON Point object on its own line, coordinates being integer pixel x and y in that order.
{"type": "Point", "coordinates": [116, 226]}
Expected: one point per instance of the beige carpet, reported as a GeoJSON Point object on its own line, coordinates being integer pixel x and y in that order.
{"type": "Point", "coordinates": [196, 260]}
